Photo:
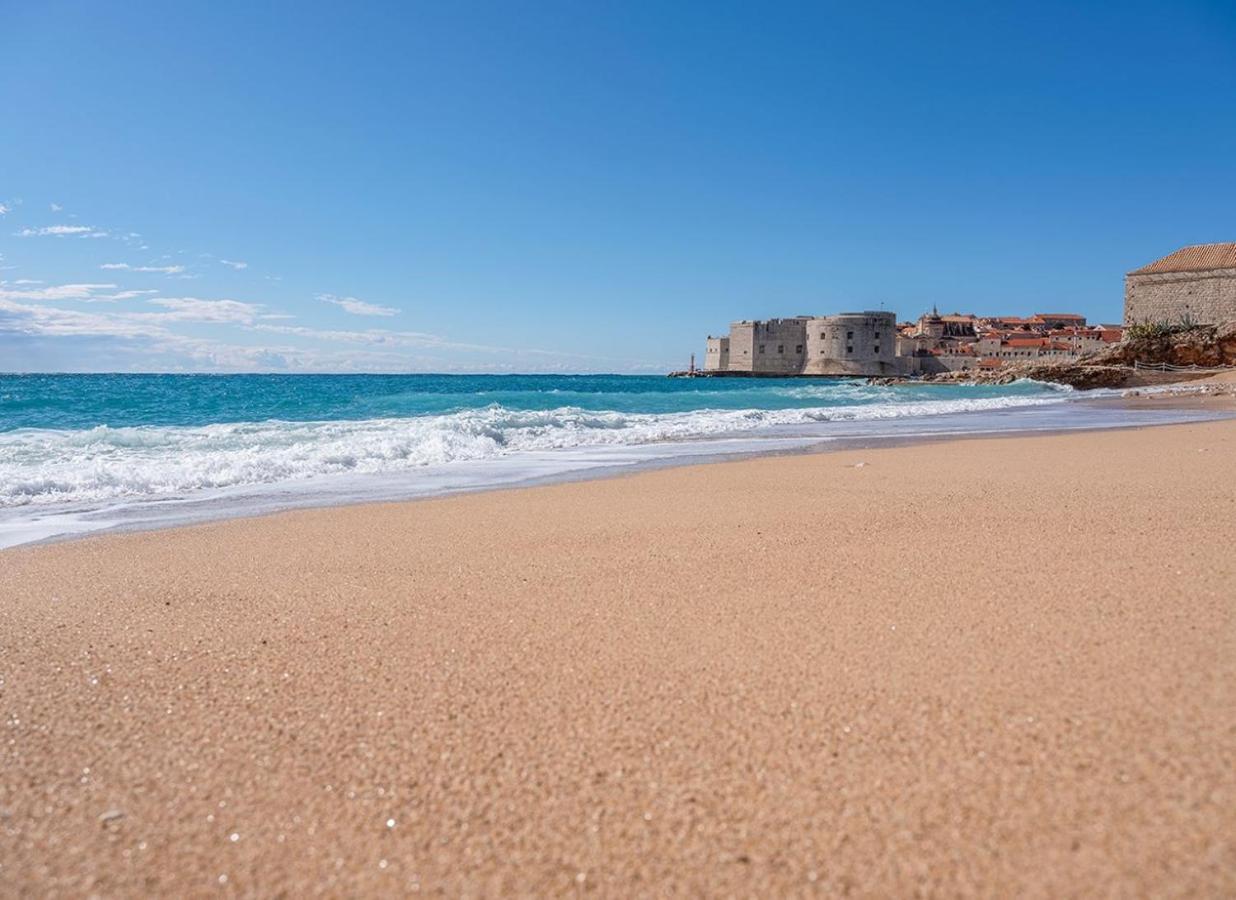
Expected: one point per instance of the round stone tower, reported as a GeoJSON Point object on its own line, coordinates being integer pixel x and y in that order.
{"type": "Point", "coordinates": [863, 343]}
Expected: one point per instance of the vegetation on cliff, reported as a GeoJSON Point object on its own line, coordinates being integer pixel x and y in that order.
{"type": "Point", "coordinates": [1174, 344]}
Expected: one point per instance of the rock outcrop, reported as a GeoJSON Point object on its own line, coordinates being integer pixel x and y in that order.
{"type": "Point", "coordinates": [1075, 374]}
{"type": "Point", "coordinates": [1200, 345]}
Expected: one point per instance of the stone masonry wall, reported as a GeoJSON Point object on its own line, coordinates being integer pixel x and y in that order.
{"type": "Point", "coordinates": [1207, 297]}
{"type": "Point", "coordinates": [772, 347]}
{"type": "Point", "coordinates": [852, 344]}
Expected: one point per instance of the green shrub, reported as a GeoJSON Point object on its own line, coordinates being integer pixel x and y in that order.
{"type": "Point", "coordinates": [1141, 331]}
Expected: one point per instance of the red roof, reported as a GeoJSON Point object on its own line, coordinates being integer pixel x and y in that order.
{"type": "Point", "coordinates": [1197, 258]}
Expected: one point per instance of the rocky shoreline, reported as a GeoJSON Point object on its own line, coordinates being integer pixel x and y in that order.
{"type": "Point", "coordinates": [1209, 347]}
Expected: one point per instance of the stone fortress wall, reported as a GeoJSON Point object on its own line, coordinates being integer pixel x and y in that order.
{"type": "Point", "coordinates": [770, 347]}
{"type": "Point", "coordinates": [717, 354]}
{"type": "Point", "coordinates": [1207, 297]}
{"type": "Point", "coordinates": [862, 344]}
{"type": "Point", "coordinates": [852, 344]}
{"type": "Point", "coordinates": [1196, 283]}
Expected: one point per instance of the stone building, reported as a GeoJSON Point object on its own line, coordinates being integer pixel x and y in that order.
{"type": "Point", "coordinates": [1197, 283]}
{"type": "Point", "coordinates": [848, 344]}
{"type": "Point", "coordinates": [865, 344]}
{"type": "Point", "coordinates": [717, 354]}
{"type": "Point", "coordinates": [770, 347]}
{"type": "Point", "coordinates": [852, 344]}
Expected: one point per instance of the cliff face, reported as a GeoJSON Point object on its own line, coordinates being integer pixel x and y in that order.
{"type": "Point", "coordinates": [1203, 345]}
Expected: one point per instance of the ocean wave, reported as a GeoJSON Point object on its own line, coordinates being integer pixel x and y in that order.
{"type": "Point", "coordinates": [43, 466]}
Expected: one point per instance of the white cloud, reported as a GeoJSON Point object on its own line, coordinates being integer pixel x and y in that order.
{"type": "Point", "coordinates": [3, 209]}
{"type": "Point", "coordinates": [191, 309]}
{"type": "Point", "coordinates": [56, 207]}
{"type": "Point", "coordinates": [235, 264]}
{"type": "Point", "coordinates": [160, 335]}
{"type": "Point", "coordinates": [126, 295]}
{"type": "Point", "coordinates": [419, 340]}
{"type": "Point", "coordinates": [51, 320]}
{"type": "Point", "coordinates": [162, 270]}
{"type": "Point", "coordinates": [358, 307]}
{"type": "Point", "coordinates": [86, 293]}
{"type": "Point", "coordinates": [86, 231]}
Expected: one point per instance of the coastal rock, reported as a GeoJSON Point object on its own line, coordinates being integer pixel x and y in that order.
{"type": "Point", "coordinates": [1206, 346]}
{"type": "Point", "coordinates": [1079, 375]}
{"type": "Point", "coordinates": [1199, 345]}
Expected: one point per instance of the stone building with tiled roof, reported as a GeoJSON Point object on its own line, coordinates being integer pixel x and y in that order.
{"type": "Point", "coordinates": [1197, 283]}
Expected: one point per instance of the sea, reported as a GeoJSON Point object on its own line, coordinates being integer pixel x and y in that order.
{"type": "Point", "coordinates": [83, 453]}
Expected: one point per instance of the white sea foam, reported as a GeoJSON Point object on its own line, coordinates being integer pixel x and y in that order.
{"type": "Point", "coordinates": [100, 464]}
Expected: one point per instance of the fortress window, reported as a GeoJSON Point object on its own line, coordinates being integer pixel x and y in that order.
{"type": "Point", "coordinates": [780, 349]}
{"type": "Point", "coordinates": [761, 348]}
{"type": "Point", "coordinates": [821, 335]}
{"type": "Point", "coordinates": [877, 335]}
{"type": "Point", "coordinates": [849, 350]}
{"type": "Point", "coordinates": [877, 348]}
{"type": "Point", "coordinates": [849, 335]}
{"type": "Point", "coordinates": [798, 349]}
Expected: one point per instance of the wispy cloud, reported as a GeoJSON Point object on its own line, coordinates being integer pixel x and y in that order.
{"type": "Point", "coordinates": [193, 309]}
{"type": "Point", "coordinates": [51, 320]}
{"type": "Point", "coordinates": [358, 307]}
{"type": "Point", "coordinates": [235, 264]}
{"type": "Point", "coordinates": [4, 209]}
{"type": "Point", "coordinates": [419, 340]}
{"type": "Point", "coordinates": [56, 207]}
{"type": "Point", "coordinates": [162, 270]}
{"type": "Point", "coordinates": [85, 231]}
{"type": "Point", "coordinates": [85, 293]}
{"type": "Point", "coordinates": [148, 335]}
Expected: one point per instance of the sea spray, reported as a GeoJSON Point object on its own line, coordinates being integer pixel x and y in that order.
{"type": "Point", "coordinates": [46, 466]}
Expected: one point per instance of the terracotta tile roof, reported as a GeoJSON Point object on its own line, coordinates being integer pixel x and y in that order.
{"type": "Point", "coordinates": [1197, 258]}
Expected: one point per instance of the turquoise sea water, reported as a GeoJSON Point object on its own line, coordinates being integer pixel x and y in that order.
{"type": "Point", "coordinates": [123, 401]}
{"type": "Point", "coordinates": [86, 451]}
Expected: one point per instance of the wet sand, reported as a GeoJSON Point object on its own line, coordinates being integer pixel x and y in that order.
{"type": "Point", "coordinates": [980, 667]}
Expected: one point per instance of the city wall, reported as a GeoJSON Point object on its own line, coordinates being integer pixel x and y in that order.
{"type": "Point", "coordinates": [1206, 297]}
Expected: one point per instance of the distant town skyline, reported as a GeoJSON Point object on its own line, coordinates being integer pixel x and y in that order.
{"type": "Point", "coordinates": [567, 188]}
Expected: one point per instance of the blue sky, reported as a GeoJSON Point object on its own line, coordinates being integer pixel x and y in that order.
{"type": "Point", "coordinates": [582, 186]}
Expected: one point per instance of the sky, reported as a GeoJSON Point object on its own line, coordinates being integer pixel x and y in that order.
{"type": "Point", "coordinates": [582, 187]}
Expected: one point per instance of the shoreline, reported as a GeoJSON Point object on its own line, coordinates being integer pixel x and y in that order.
{"type": "Point", "coordinates": [960, 667]}
{"type": "Point", "coordinates": [276, 498]}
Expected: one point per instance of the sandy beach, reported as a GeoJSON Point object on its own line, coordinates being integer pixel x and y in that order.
{"type": "Point", "coordinates": [999, 666]}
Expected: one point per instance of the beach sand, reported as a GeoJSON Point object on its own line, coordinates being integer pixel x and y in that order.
{"type": "Point", "coordinates": [999, 666]}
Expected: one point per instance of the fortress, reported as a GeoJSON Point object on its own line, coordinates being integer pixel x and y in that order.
{"type": "Point", "coordinates": [1195, 284]}
{"type": "Point", "coordinates": [861, 343]}
{"type": "Point", "coordinates": [872, 343]}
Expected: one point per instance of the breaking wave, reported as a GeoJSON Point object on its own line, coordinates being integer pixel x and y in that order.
{"type": "Point", "coordinates": [43, 466]}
